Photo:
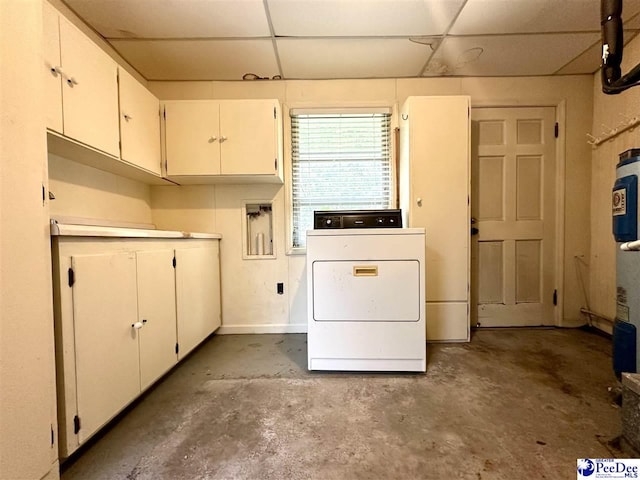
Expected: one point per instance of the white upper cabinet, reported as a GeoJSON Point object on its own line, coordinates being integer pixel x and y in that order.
{"type": "Point", "coordinates": [139, 124]}
{"type": "Point", "coordinates": [249, 137]}
{"type": "Point", "coordinates": [89, 91]}
{"type": "Point", "coordinates": [53, 74]}
{"type": "Point", "coordinates": [191, 138]}
{"type": "Point", "coordinates": [234, 141]}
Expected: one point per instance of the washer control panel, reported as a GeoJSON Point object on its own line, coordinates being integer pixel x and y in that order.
{"type": "Point", "coordinates": [357, 219]}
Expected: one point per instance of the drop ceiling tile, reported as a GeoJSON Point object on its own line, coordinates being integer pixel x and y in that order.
{"type": "Point", "coordinates": [346, 18]}
{"type": "Point", "coordinates": [174, 18]}
{"type": "Point", "coordinates": [351, 58]}
{"type": "Point", "coordinates": [587, 62]}
{"type": "Point", "coordinates": [199, 59]}
{"type": "Point", "coordinates": [527, 16]}
{"type": "Point", "coordinates": [633, 23]}
{"type": "Point", "coordinates": [508, 55]}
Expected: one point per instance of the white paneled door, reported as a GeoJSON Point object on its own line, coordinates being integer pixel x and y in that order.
{"type": "Point", "coordinates": [514, 209]}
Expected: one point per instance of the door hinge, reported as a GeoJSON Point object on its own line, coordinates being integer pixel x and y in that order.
{"type": "Point", "coordinates": [43, 194]}
{"type": "Point", "coordinates": [555, 297]}
{"type": "Point", "coordinates": [556, 130]}
{"type": "Point", "coordinates": [164, 113]}
{"type": "Point", "coordinates": [173, 262]}
{"type": "Point", "coordinates": [76, 424]}
{"type": "Point", "coordinates": [72, 277]}
{"type": "Point", "coordinates": [53, 438]}
{"type": "Point", "coordinates": [274, 112]}
{"type": "Point", "coordinates": [177, 348]}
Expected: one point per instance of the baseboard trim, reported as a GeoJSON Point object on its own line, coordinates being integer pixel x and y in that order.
{"type": "Point", "coordinates": [277, 328]}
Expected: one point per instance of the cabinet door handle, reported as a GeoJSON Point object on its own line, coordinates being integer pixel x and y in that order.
{"type": "Point", "coordinates": [419, 201]}
{"type": "Point", "coordinates": [72, 81]}
{"type": "Point", "coordinates": [212, 139]}
{"type": "Point", "coordinates": [57, 70]}
{"type": "Point", "coordinates": [137, 325]}
{"type": "Point", "coordinates": [127, 117]}
{"type": "Point", "coordinates": [223, 139]}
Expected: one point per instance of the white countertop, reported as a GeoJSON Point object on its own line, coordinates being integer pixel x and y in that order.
{"type": "Point", "coordinates": [72, 230]}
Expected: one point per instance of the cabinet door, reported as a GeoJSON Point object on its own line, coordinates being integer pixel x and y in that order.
{"type": "Point", "coordinates": [157, 312]}
{"type": "Point", "coordinates": [440, 178]}
{"type": "Point", "coordinates": [90, 91]}
{"type": "Point", "coordinates": [139, 124]}
{"type": "Point", "coordinates": [249, 134]}
{"type": "Point", "coordinates": [197, 295]}
{"type": "Point", "coordinates": [53, 80]}
{"type": "Point", "coordinates": [191, 138]}
{"type": "Point", "coordinates": [104, 310]}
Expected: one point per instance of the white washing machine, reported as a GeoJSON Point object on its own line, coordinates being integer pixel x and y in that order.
{"type": "Point", "coordinates": [366, 299]}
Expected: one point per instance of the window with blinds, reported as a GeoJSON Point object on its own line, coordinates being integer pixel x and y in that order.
{"type": "Point", "coordinates": [340, 161]}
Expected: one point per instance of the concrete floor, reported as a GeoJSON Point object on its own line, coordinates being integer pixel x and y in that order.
{"type": "Point", "coordinates": [516, 403]}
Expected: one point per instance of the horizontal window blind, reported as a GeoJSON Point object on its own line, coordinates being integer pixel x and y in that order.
{"type": "Point", "coordinates": [340, 161]}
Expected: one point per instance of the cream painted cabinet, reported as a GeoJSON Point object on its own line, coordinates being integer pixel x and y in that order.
{"type": "Point", "coordinates": [157, 314]}
{"type": "Point", "coordinates": [249, 137]}
{"type": "Point", "coordinates": [434, 193]}
{"type": "Point", "coordinates": [197, 295]}
{"type": "Point", "coordinates": [53, 67]}
{"type": "Point", "coordinates": [106, 344]}
{"type": "Point", "coordinates": [87, 79]}
{"type": "Point", "coordinates": [234, 141]}
{"type": "Point", "coordinates": [139, 124]}
{"type": "Point", "coordinates": [115, 321]}
{"type": "Point", "coordinates": [191, 138]}
{"type": "Point", "coordinates": [124, 327]}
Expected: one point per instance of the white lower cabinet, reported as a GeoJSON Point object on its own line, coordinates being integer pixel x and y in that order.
{"type": "Point", "coordinates": [156, 313]}
{"type": "Point", "coordinates": [197, 294]}
{"type": "Point", "coordinates": [124, 310]}
{"type": "Point", "coordinates": [106, 344]}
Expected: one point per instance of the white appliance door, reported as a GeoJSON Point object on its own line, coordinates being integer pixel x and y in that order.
{"type": "Point", "coordinates": [366, 291]}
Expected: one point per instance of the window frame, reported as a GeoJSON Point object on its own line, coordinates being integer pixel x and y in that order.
{"type": "Point", "coordinates": [290, 109]}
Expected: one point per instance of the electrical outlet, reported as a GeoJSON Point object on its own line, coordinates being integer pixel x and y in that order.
{"type": "Point", "coordinates": [280, 288]}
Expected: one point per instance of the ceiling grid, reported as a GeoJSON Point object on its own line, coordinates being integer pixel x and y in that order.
{"type": "Point", "coordinates": [325, 39]}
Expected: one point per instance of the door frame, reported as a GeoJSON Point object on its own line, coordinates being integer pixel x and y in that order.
{"type": "Point", "coordinates": [561, 116]}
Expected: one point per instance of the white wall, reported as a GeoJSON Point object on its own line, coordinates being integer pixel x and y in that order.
{"type": "Point", "coordinates": [241, 277]}
{"type": "Point", "coordinates": [609, 111]}
{"type": "Point", "coordinates": [85, 192]}
{"type": "Point", "coordinates": [27, 392]}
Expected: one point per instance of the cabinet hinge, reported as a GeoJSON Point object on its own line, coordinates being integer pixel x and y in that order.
{"type": "Point", "coordinates": [174, 262]}
{"type": "Point", "coordinates": [164, 113]}
{"type": "Point", "coordinates": [72, 277]}
{"type": "Point", "coordinates": [274, 112]}
{"type": "Point", "coordinates": [555, 297]}
{"type": "Point", "coordinates": [275, 164]}
{"type": "Point", "coordinates": [556, 130]}
{"type": "Point", "coordinates": [76, 424]}
{"type": "Point", "coordinates": [177, 348]}
{"type": "Point", "coordinates": [43, 196]}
